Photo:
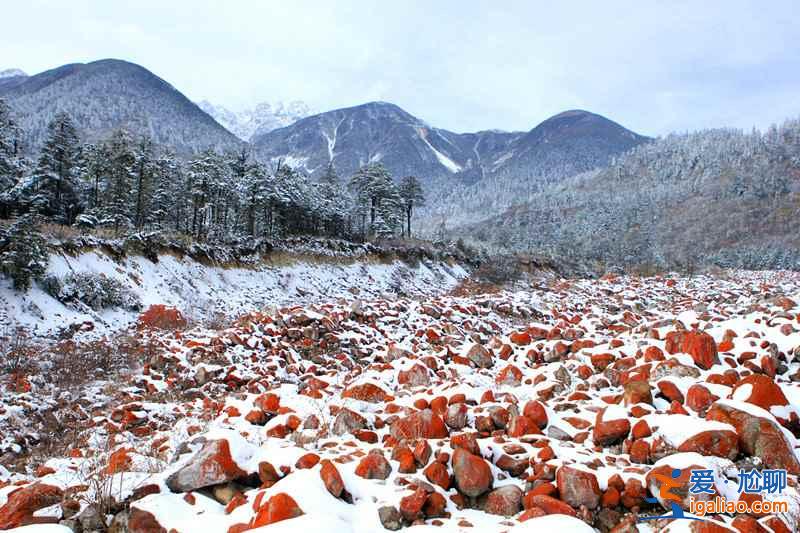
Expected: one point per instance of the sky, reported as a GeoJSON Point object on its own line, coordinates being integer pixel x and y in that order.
{"type": "Point", "coordinates": [653, 66]}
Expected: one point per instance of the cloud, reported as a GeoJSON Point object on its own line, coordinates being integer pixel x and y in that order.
{"type": "Point", "coordinates": [461, 65]}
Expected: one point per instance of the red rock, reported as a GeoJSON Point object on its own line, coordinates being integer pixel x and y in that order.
{"type": "Point", "coordinates": [119, 461]}
{"type": "Point", "coordinates": [503, 501]}
{"type": "Point", "coordinates": [435, 506]}
{"type": "Point", "coordinates": [43, 470]}
{"type": "Point", "coordinates": [456, 416]}
{"type": "Point", "coordinates": [601, 361]}
{"type": "Point", "coordinates": [331, 478]}
{"type": "Point", "coordinates": [699, 398]}
{"type": "Point", "coordinates": [211, 465]}
{"type": "Point", "coordinates": [416, 376]}
{"type": "Point", "coordinates": [268, 402]}
{"type": "Point", "coordinates": [366, 392]}
{"type": "Point", "coordinates": [758, 437]}
{"type": "Point", "coordinates": [278, 508]}
{"type": "Point", "coordinates": [546, 488]}
{"type": "Point", "coordinates": [374, 466]}
{"type": "Point", "coordinates": [140, 521]}
{"type": "Point", "coordinates": [578, 487]}
{"type": "Point", "coordinates": [533, 512]}
{"type": "Point", "coordinates": [23, 502]}
{"type": "Point", "coordinates": [637, 392]}
{"type": "Point", "coordinates": [670, 391]}
{"type": "Point", "coordinates": [716, 442]}
{"type": "Point", "coordinates": [764, 392]}
{"type": "Point", "coordinates": [747, 524]}
{"type": "Point", "coordinates": [162, 317]}
{"type": "Point", "coordinates": [776, 525]}
{"type": "Point", "coordinates": [640, 430]}
{"type": "Point", "coordinates": [515, 467]}
{"type": "Point", "coordinates": [634, 493]}
{"type": "Point", "coordinates": [237, 501]}
{"type": "Point", "coordinates": [510, 375]}
{"type": "Point", "coordinates": [466, 441]}
{"type": "Point", "coordinates": [411, 506]}
{"type": "Point", "coordinates": [698, 344]}
{"type": "Point", "coordinates": [653, 353]}
{"type": "Point", "coordinates": [472, 474]}
{"type": "Point", "coordinates": [536, 412]}
{"type": "Point", "coordinates": [437, 473]}
{"type": "Point", "coordinates": [421, 424]}
{"type": "Point", "coordinates": [308, 460]}
{"type": "Point", "coordinates": [522, 425]}
{"type": "Point", "coordinates": [405, 457]}
{"type": "Point", "coordinates": [610, 432]}
{"type": "Point", "coordinates": [256, 417]}
{"type": "Point", "coordinates": [548, 504]}
{"type": "Point", "coordinates": [480, 356]}
{"type": "Point", "coordinates": [610, 498]}
{"type": "Point", "coordinates": [640, 452]}
{"type": "Point", "coordinates": [422, 452]}
{"type": "Point", "coordinates": [520, 338]}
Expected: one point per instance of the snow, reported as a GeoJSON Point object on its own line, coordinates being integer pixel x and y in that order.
{"type": "Point", "coordinates": [451, 165]}
{"type": "Point", "coordinates": [200, 290]}
{"type": "Point", "coordinates": [554, 522]}
{"type": "Point", "coordinates": [41, 528]}
{"type": "Point", "coordinates": [266, 354]}
{"type": "Point", "coordinates": [677, 429]}
{"type": "Point", "coordinates": [11, 73]}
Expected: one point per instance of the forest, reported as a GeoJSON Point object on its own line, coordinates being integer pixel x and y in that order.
{"type": "Point", "coordinates": [128, 183]}
{"type": "Point", "coordinates": [718, 197]}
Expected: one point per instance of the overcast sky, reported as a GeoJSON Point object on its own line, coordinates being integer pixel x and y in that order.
{"type": "Point", "coordinates": [654, 67]}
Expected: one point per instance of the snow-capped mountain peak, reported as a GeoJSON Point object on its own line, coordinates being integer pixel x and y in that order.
{"type": "Point", "coordinates": [258, 119]}
{"type": "Point", "coordinates": [11, 73]}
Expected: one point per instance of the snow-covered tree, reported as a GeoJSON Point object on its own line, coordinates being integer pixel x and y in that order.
{"type": "Point", "coordinates": [378, 197]}
{"type": "Point", "coordinates": [56, 173]}
{"type": "Point", "coordinates": [413, 196]}
{"type": "Point", "coordinates": [23, 252]}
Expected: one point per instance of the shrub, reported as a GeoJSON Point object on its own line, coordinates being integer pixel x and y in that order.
{"type": "Point", "coordinates": [162, 317]}
{"type": "Point", "coordinates": [98, 291]}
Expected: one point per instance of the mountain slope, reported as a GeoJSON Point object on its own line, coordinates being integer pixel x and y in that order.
{"type": "Point", "coordinates": [447, 162]}
{"type": "Point", "coordinates": [719, 197]}
{"type": "Point", "coordinates": [259, 119]}
{"type": "Point", "coordinates": [107, 94]}
{"type": "Point", "coordinates": [566, 144]}
{"type": "Point", "coordinates": [378, 132]}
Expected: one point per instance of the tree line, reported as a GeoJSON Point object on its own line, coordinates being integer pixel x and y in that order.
{"type": "Point", "coordinates": [128, 183]}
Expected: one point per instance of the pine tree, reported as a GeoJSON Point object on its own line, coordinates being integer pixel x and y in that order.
{"type": "Point", "coordinates": [168, 200]}
{"type": "Point", "coordinates": [412, 195]}
{"type": "Point", "coordinates": [117, 208]}
{"type": "Point", "coordinates": [23, 253]}
{"type": "Point", "coordinates": [374, 187]}
{"type": "Point", "coordinates": [57, 170]}
{"type": "Point", "coordinates": [143, 168]}
{"type": "Point", "coordinates": [10, 151]}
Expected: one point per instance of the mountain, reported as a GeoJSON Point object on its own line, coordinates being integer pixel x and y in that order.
{"type": "Point", "coordinates": [107, 94]}
{"type": "Point", "coordinates": [259, 119]}
{"type": "Point", "coordinates": [564, 145]}
{"type": "Point", "coordinates": [355, 136]}
{"type": "Point", "coordinates": [723, 197]}
{"type": "Point", "coordinates": [12, 73]}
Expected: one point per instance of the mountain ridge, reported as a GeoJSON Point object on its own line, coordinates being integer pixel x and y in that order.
{"type": "Point", "coordinates": [107, 94]}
